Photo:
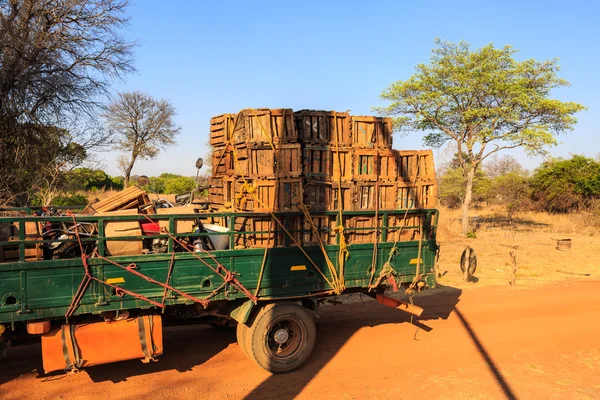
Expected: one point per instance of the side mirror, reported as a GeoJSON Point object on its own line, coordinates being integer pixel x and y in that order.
{"type": "Point", "coordinates": [199, 163]}
{"type": "Point", "coordinates": [143, 180]}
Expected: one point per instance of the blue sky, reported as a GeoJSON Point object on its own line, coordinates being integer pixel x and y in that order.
{"type": "Point", "coordinates": [209, 58]}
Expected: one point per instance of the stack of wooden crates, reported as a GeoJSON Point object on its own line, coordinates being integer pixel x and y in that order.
{"type": "Point", "coordinates": [276, 159]}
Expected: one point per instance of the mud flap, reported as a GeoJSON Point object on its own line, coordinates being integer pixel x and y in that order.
{"type": "Point", "coordinates": [242, 313]}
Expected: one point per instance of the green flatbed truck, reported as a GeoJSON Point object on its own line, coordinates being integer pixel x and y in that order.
{"type": "Point", "coordinates": [270, 294]}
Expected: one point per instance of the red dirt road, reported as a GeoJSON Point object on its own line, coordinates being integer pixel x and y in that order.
{"type": "Point", "coordinates": [483, 343]}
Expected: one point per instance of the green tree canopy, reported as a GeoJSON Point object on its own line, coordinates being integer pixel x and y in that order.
{"type": "Point", "coordinates": [565, 185]}
{"type": "Point", "coordinates": [484, 101]}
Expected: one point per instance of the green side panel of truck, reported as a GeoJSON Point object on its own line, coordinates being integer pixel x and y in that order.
{"type": "Point", "coordinates": [41, 290]}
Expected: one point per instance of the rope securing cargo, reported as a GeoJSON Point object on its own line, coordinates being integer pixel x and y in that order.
{"type": "Point", "coordinates": [227, 276]}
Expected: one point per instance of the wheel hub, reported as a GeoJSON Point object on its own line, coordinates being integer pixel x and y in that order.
{"type": "Point", "coordinates": [281, 336]}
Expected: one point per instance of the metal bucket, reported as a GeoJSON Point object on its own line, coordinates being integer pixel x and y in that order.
{"type": "Point", "coordinates": [219, 241]}
{"type": "Point", "coordinates": [563, 244]}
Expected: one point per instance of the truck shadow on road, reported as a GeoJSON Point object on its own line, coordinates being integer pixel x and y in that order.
{"type": "Point", "coordinates": [338, 324]}
{"type": "Point", "coordinates": [185, 347]}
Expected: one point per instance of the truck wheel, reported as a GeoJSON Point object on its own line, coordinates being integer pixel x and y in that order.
{"type": "Point", "coordinates": [240, 332]}
{"type": "Point", "coordinates": [281, 337]}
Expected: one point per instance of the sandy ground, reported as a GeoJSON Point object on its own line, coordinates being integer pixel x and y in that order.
{"type": "Point", "coordinates": [536, 342]}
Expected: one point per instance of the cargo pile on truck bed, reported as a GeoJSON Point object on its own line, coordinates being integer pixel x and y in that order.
{"type": "Point", "coordinates": [279, 160]}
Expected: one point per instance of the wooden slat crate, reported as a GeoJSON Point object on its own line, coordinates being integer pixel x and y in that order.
{"type": "Point", "coordinates": [421, 195]}
{"type": "Point", "coordinates": [365, 165]}
{"type": "Point", "coordinates": [342, 163]}
{"type": "Point", "coordinates": [317, 162]}
{"type": "Point", "coordinates": [404, 228]}
{"type": "Point", "coordinates": [323, 127]}
{"type": "Point", "coordinates": [215, 185]}
{"type": "Point", "coordinates": [10, 252]}
{"type": "Point", "coordinates": [317, 195]}
{"type": "Point", "coordinates": [129, 198]}
{"type": "Point", "coordinates": [413, 163]}
{"type": "Point", "coordinates": [217, 199]}
{"type": "Point", "coordinates": [222, 163]}
{"type": "Point", "coordinates": [372, 132]}
{"type": "Point", "coordinates": [261, 126]}
{"type": "Point", "coordinates": [372, 195]}
{"type": "Point", "coordinates": [427, 194]}
{"type": "Point", "coordinates": [281, 194]}
{"type": "Point", "coordinates": [387, 165]}
{"type": "Point", "coordinates": [324, 196]}
{"type": "Point", "coordinates": [260, 161]}
{"type": "Point", "coordinates": [272, 236]}
{"type": "Point", "coordinates": [221, 127]}
{"type": "Point", "coordinates": [407, 195]}
{"type": "Point", "coordinates": [366, 229]}
{"type": "Point", "coordinates": [348, 196]}
{"type": "Point", "coordinates": [425, 163]}
{"type": "Point", "coordinates": [325, 225]}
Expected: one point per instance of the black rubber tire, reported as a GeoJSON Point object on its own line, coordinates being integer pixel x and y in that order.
{"type": "Point", "coordinates": [259, 338]}
{"type": "Point", "coordinates": [241, 334]}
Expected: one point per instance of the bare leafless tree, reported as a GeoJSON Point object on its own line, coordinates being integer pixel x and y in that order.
{"type": "Point", "coordinates": [57, 61]}
{"type": "Point", "coordinates": [143, 126]}
{"type": "Point", "coordinates": [503, 165]}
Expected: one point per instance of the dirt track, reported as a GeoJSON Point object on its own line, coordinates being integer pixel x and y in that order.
{"type": "Point", "coordinates": [493, 342]}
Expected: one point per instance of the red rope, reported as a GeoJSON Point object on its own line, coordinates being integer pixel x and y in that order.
{"type": "Point", "coordinates": [227, 276]}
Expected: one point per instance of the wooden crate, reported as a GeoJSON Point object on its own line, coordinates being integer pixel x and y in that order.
{"type": "Point", "coordinates": [372, 195]}
{"type": "Point", "coordinates": [222, 163]}
{"type": "Point", "coordinates": [407, 195]}
{"type": "Point", "coordinates": [217, 199]}
{"type": "Point", "coordinates": [263, 126]}
{"type": "Point", "coordinates": [323, 127]}
{"type": "Point", "coordinates": [427, 194]}
{"type": "Point", "coordinates": [317, 195]}
{"type": "Point", "coordinates": [361, 229]}
{"type": "Point", "coordinates": [425, 164]}
{"type": "Point", "coordinates": [372, 132]}
{"type": "Point", "coordinates": [403, 228]}
{"type": "Point", "coordinates": [407, 165]}
{"type": "Point", "coordinates": [421, 195]}
{"type": "Point", "coordinates": [221, 128]}
{"type": "Point", "coordinates": [365, 165]}
{"type": "Point", "coordinates": [342, 163]}
{"type": "Point", "coordinates": [387, 165]}
{"type": "Point", "coordinates": [415, 163]}
{"type": "Point", "coordinates": [281, 194]}
{"type": "Point", "coordinates": [325, 225]}
{"type": "Point", "coordinates": [324, 196]}
{"type": "Point", "coordinates": [260, 161]}
{"type": "Point", "coordinates": [317, 162]}
{"type": "Point", "coordinates": [348, 196]}
{"type": "Point", "coordinates": [215, 186]}
{"type": "Point", "coordinates": [10, 252]}
{"type": "Point", "coordinates": [272, 234]}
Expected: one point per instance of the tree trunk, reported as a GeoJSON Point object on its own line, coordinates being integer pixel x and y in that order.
{"type": "Point", "coordinates": [128, 172]}
{"type": "Point", "coordinates": [467, 201]}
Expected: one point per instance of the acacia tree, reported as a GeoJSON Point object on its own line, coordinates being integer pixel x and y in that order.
{"type": "Point", "coordinates": [484, 101]}
{"type": "Point", "coordinates": [143, 126]}
{"type": "Point", "coordinates": [57, 61]}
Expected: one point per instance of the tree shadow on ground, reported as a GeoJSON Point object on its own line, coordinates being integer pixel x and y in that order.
{"type": "Point", "coordinates": [503, 222]}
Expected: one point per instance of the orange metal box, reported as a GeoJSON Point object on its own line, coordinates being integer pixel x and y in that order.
{"type": "Point", "coordinates": [75, 346]}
